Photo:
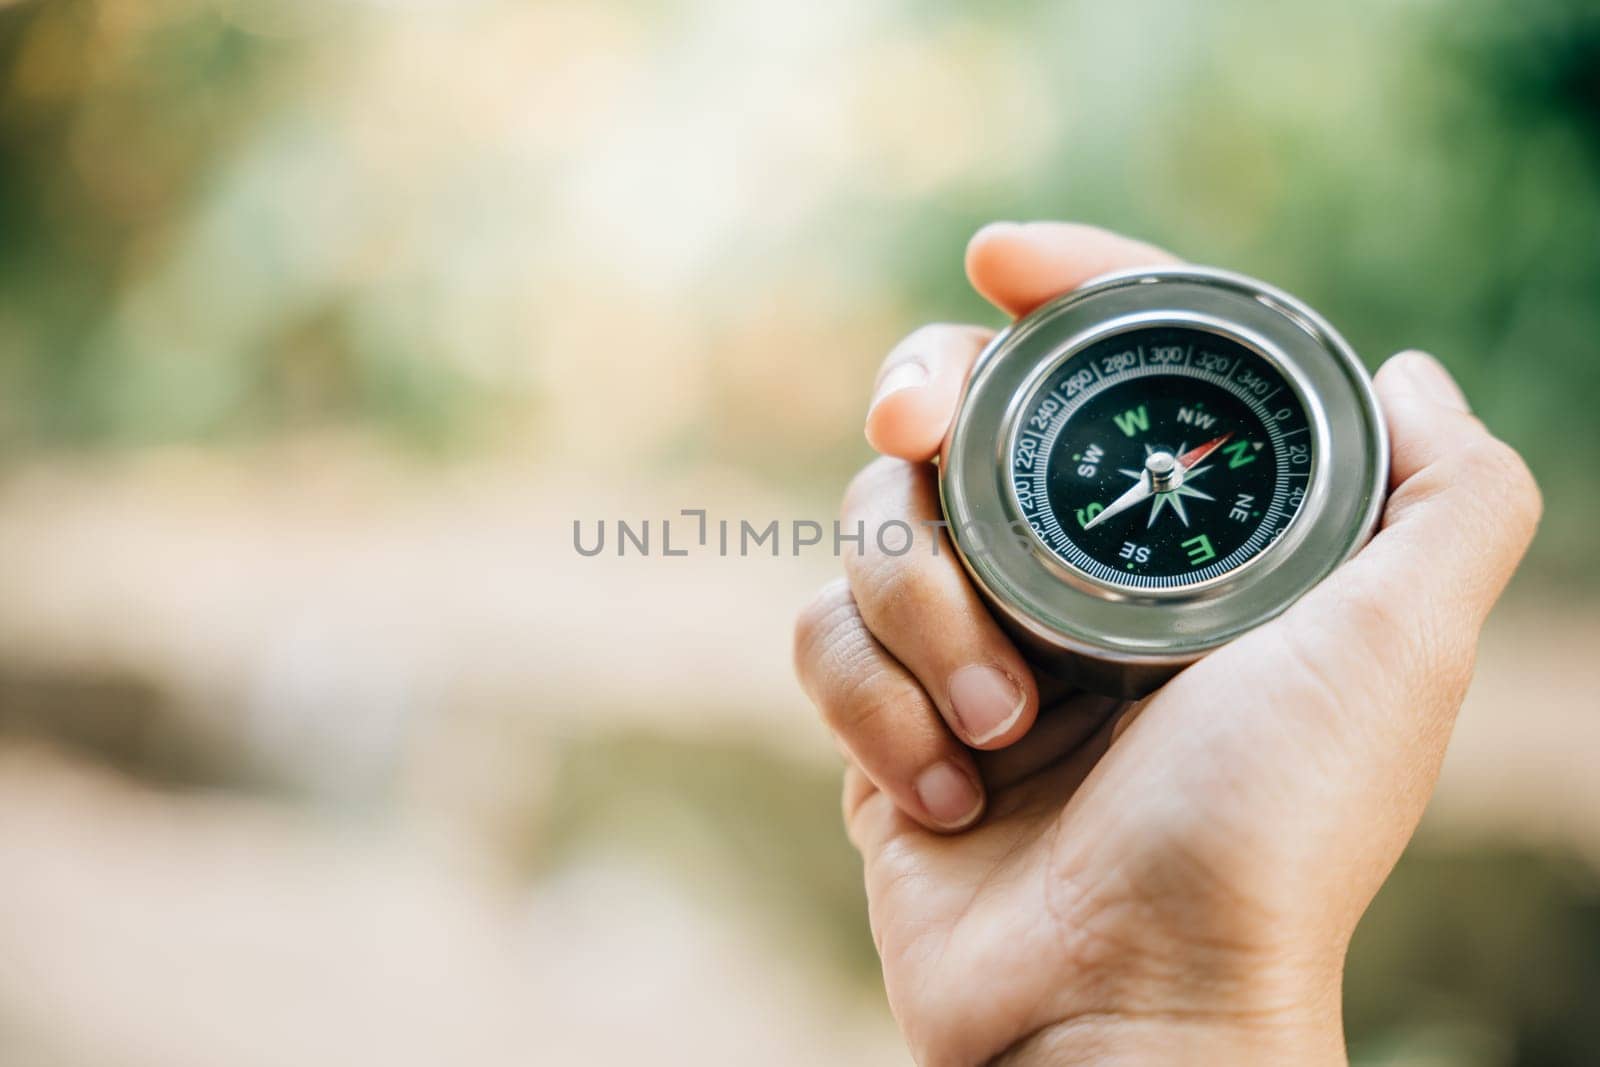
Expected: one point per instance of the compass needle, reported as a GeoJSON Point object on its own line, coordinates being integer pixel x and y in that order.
{"type": "Point", "coordinates": [1140, 491]}
{"type": "Point", "coordinates": [1155, 509]}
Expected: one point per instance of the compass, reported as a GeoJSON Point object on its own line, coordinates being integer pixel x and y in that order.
{"type": "Point", "coordinates": [1153, 464]}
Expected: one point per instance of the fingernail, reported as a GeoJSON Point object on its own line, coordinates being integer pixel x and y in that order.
{"type": "Point", "coordinates": [997, 228]}
{"type": "Point", "coordinates": [986, 702]}
{"type": "Point", "coordinates": [908, 375]}
{"type": "Point", "coordinates": [1427, 376]}
{"type": "Point", "coordinates": [950, 797]}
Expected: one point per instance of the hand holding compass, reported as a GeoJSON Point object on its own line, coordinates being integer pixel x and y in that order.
{"type": "Point", "coordinates": [1172, 879]}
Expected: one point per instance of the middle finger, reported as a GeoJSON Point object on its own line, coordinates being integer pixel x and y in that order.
{"type": "Point", "coordinates": [920, 605]}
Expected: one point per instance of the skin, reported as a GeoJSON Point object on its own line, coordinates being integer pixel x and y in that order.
{"type": "Point", "coordinates": [1177, 880]}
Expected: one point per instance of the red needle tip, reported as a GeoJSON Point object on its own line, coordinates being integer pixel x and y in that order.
{"type": "Point", "coordinates": [1195, 455]}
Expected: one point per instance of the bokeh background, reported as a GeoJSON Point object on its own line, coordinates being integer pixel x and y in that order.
{"type": "Point", "coordinates": [321, 321]}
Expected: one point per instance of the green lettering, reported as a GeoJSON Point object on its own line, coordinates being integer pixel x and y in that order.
{"type": "Point", "coordinates": [1085, 514]}
{"type": "Point", "coordinates": [1239, 453]}
{"type": "Point", "coordinates": [1199, 550]}
{"type": "Point", "coordinates": [1129, 421]}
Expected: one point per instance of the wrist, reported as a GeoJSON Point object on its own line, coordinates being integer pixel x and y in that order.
{"type": "Point", "coordinates": [1276, 1013]}
{"type": "Point", "coordinates": [1151, 1041]}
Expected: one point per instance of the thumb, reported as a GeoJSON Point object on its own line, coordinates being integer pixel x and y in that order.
{"type": "Point", "coordinates": [1369, 669]}
{"type": "Point", "coordinates": [1312, 743]}
{"type": "Point", "coordinates": [1319, 736]}
{"type": "Point", "coordinates": [1462, 510]}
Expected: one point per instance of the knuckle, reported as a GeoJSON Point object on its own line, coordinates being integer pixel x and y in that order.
{"type": "Point", "coordinates": [855, 687]}
{"type": "Point", "coordinates": [1522, 489]}
{"type": "Point", "coordinates": [902, 588]}
{"type": "Point", "coordinates": [1501, 493]}
{"type": "Point", "coordinates": [1374, 613]}
{"type": "Point", "coordinates": [1408, 641]}
{"type": "Point", "coordinates": [1367, 632]}
{"type": "Point", "coordinates": [1508, 485]}
{"type": "Point", "coordinates": [871, 481]}
{"type": "Point", "coordinates": [1489, 459]}
{"type": "Point", "coordinates": [865, 707]}
{"type": "Point", "coordinates": [819, 623]}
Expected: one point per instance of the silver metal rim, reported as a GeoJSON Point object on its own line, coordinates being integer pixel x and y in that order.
{"type": "Point", "coordinates": [1064, 608]}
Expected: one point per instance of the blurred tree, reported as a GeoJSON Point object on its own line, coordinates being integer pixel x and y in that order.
{"type": "Point", "coordinates": [110, 117]}
{"type": "Point", "coordinates": [1491, 955]}
{"type": "Point", "coordinates": [1426, 174]}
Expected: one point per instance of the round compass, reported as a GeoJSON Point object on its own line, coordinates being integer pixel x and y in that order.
{"type": "Point", "coordinates": [1151, 465]}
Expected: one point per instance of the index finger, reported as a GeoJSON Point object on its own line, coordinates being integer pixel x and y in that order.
{"type": "Point", "coordinates": [1017, 266]}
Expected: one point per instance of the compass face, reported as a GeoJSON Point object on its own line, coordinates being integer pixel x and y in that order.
{"type": "Point", "coordinates": [1191, 452]}
{"type": "Point", "coordinates": [1161, 458]}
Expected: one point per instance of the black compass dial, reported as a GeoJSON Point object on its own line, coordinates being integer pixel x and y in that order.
{"type": "Point", "coordinates": [1161, 457]}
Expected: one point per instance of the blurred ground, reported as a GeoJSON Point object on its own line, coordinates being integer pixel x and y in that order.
{"type": "Point", "coordinates": [527, 800]}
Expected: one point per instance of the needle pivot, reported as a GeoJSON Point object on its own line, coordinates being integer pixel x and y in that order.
{"type": "Point", "coordinates": [1164, 470]}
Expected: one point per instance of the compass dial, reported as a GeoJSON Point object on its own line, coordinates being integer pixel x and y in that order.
{"type": "Point", "coordinates": [1177, 455]}
{"type": "Point", "coordinates": [1161, 458]}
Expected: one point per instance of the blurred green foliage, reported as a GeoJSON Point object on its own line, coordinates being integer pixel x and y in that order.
{"type": "Point", "coordinates": [1478, 956]}
{"type": "Point", "coordinates": [129, 137]}
{"type": "Point", "coordinates": [738, 821]}
{"type": "Point", "coordinates": [1487, 957]}
{"type": "Point", "coordinates": [1427, 174]}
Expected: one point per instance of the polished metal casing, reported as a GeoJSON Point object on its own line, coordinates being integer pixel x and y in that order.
{"type": "Point", "coordinates": [1122, 641]}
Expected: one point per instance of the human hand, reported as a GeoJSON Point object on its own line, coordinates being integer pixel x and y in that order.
{"type": "Point", "coordinates": [1175, 880]}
